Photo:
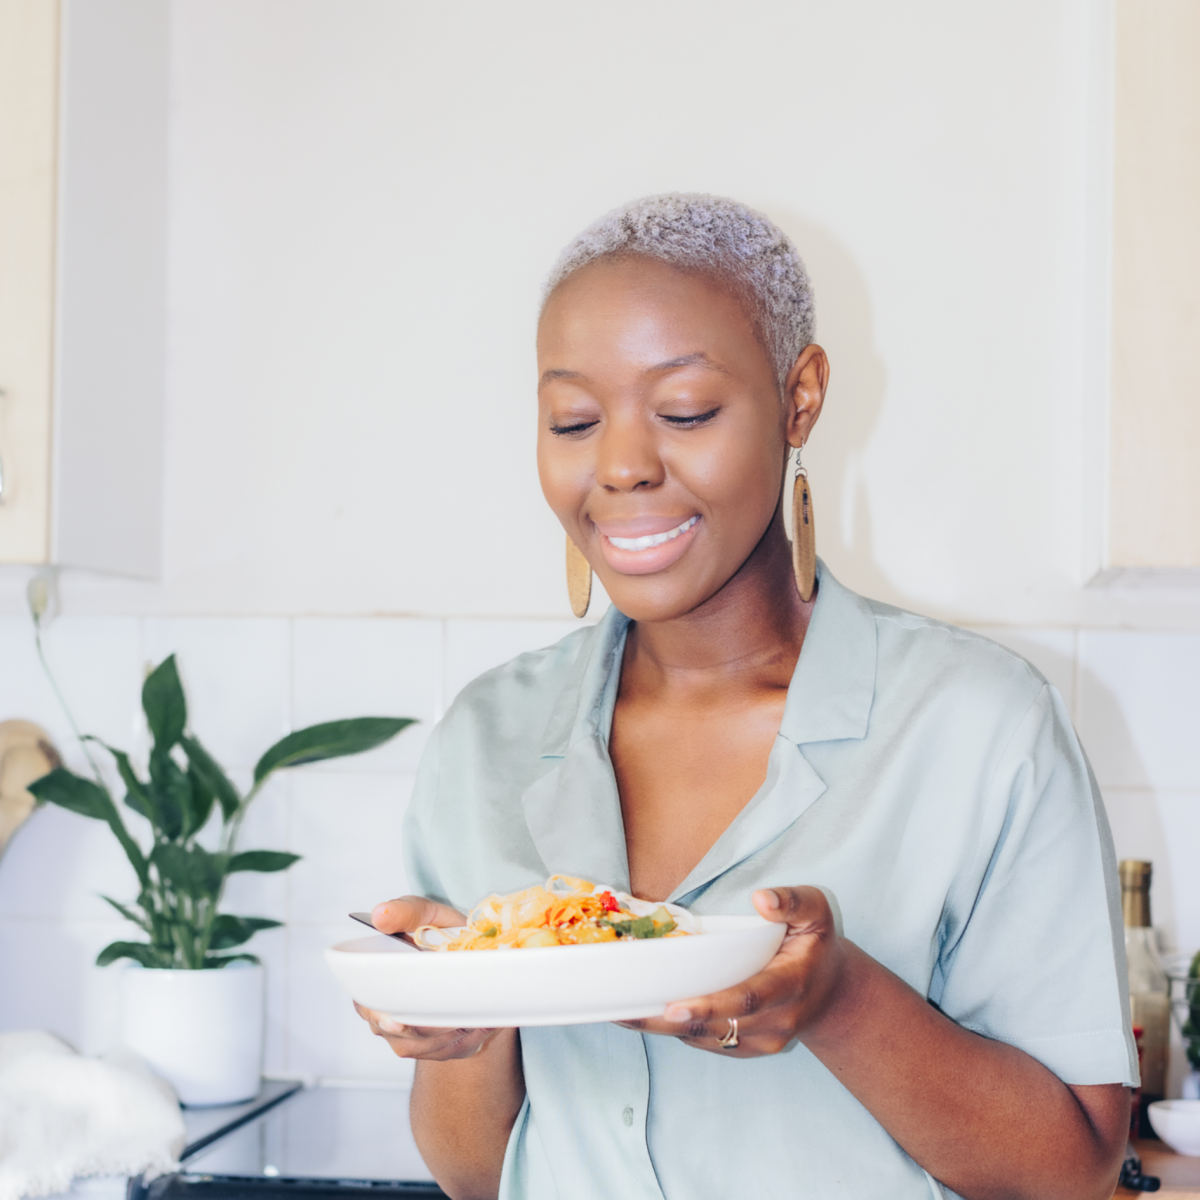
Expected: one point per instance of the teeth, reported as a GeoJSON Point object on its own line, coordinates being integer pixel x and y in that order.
{"type": "Point", "coordinates": [654, 539]}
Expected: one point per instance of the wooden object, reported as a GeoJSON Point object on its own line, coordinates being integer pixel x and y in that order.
{"type": "Point", "coordinates": [26, 754]}
{"type": "Point", "coordinates": [804, 538]}
{"type": "Point", "coordinates": [83, 174]}
{"type": "Point", "coordinates": [579, 579]}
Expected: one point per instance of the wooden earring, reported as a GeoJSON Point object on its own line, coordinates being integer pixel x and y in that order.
{"type": "Point", "coordinates": [579, 579]}
{"type": "Point", "coordinates": [804, 540]}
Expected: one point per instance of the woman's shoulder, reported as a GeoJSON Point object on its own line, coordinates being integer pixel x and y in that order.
{"type": "Point", "coordinates": [521, 695]}
{"type": "Point", "coordinates": [921, 650]}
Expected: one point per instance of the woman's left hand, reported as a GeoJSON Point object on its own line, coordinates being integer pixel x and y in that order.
{"type": "Point", "coordinates": [774, 1007]}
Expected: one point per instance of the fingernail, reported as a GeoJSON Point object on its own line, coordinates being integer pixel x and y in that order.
{"type": "Point", "coordinates": [390, 1026]}
{"type": "Point", "coordinates": [770, 898]}
{"type": "Point", "coordinates": [677, 1014]}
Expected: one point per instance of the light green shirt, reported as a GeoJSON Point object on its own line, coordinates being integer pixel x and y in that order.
{"type": "Point", "coordinates": [926, 778]}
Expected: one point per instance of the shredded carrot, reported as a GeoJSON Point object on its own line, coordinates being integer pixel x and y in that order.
{"type": "Point", "coordinates": [566, 912]}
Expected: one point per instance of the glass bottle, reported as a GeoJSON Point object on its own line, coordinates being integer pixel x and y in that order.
{"type": "Point", "coordinates": [1149, 990]}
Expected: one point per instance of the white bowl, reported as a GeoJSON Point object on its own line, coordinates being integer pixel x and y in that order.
{"type": "Point", "coordinates": [556, 985]}
{"type": "Point", "coordinates": [1177, 1122]}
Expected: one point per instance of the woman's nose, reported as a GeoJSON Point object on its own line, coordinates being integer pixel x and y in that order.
{"type": "Point", "coordinates": [628, 458]}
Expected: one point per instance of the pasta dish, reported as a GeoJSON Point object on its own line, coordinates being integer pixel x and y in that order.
{"type": "Point", "coordinates": [566, 912]}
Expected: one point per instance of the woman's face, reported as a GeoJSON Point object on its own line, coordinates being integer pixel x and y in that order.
{"type": "Point", "coordinates": [662, 435]}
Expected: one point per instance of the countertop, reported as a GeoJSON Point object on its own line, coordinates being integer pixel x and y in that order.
{"type": "Point", "coordinates": [1180, 1174]}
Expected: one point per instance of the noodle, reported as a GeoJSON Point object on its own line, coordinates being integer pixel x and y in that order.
{"type": "Point", "coordinates": [566, 912]}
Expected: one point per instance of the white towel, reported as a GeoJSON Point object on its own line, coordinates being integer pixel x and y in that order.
{"type": "Point", "coordinates": [63, 1116]}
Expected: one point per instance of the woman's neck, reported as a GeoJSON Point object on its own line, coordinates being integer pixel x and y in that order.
{"type": "Point", "coordinates": [748, 635]}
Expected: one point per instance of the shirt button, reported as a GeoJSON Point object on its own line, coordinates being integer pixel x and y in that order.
{"type": "Point", "coordinates": [627, 1116]}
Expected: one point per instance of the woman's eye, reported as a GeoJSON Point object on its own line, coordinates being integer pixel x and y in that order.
{"type": "Point", "coordinates": [688, 422]}
{"type": "Point", "coordinates": [573, 427]}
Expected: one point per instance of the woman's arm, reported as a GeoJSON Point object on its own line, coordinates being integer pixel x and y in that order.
{"type": "Point", "coordinates": [979, 1115]}
{"type": "Point", "coordinates": [469, 1085]}
{"type": "Point", "coordinates": [463, 1112]}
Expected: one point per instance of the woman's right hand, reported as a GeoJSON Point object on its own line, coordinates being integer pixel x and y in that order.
{"type": "Point", "coordinates": [405, 915]}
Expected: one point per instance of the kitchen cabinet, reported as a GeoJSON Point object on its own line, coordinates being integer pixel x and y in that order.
{"type": "Point", "coordinates": [83, 232]}
{"type": "Point", "coordinates": [1153, 523]}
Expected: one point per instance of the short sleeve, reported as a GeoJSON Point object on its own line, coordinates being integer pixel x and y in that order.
{"type": "Point", "coordinates": [1033, 948]}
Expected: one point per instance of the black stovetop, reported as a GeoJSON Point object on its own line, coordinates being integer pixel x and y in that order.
{"type": "Point", "coordinates": [311, 1143]}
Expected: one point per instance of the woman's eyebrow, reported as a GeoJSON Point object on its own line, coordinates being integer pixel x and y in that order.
{"type": "Point", "coordinates": [698, 359]}
{"type": "Point", "coordinates": [559, 373]}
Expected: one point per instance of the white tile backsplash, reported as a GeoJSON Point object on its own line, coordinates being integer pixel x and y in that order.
{"type": "Point", "coordinates": [237, 675]}
{"type": "Point", "coordinates": [59, 863]}
{"type": "Point", "coordinates": [1136, 697]}
{"type": "Point", "coordinates": [369, 668]}
{"type": "Point", "coordinates": [96, 662]}
{"type": "Point", "coordinates": [266, 827]}
{"type": "Point", "coordinates": [1139, 707]}
{"type": "Point", "coordinates": [347, 827]}
{"type": "Point", "coordinates": [325, 1036]}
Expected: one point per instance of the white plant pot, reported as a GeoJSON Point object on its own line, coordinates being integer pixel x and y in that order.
{"type": "Point", "coordinates": [202, 1031]}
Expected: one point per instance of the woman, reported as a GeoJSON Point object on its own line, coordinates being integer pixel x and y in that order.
{"type": "Point", "coordinates": [945, 1014]}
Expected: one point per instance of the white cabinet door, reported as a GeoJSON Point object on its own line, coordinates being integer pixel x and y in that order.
{"type": "Point", "coordinates": [83, 158]}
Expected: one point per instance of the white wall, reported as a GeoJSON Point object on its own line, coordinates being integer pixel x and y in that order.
{"type": "Point", "coordinates": [365, 195]}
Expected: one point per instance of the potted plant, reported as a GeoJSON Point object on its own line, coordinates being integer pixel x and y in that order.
{"type": "Point", "coordinates": [194, 1010]}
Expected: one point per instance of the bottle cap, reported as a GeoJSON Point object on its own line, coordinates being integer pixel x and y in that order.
{"type": "Point", "coordinates": [1135, 873]}
{"type": "Point", "coordinates": [1135, 892]}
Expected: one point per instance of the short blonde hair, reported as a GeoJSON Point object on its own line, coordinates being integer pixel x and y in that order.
{"type": "Point", "coordinates": [718, 237]}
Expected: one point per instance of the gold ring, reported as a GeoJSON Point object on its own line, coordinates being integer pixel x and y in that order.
{"type": "Point", "coordinates": [730, 1040]}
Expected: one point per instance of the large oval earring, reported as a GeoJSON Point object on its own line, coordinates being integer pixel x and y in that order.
{"type": "Point", "coordinates": [579, 579]}
{"type": "Point", "coordinates": [804, 538]}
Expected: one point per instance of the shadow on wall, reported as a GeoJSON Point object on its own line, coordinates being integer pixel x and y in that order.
{"type": "Point", "coordinates": [858, 382]}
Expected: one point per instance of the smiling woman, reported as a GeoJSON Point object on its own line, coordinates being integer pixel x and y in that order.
{"type": "Point", "coordinates": [908, 800]}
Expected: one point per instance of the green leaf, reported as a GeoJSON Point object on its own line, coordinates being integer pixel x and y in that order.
{"type": "Point", "coordinates": [164, 704]}
{"type": "Point", "coordinates": [229, 931]}
{"type": "Point", "coordinates": [216, 961]}
{"type": "Point", "coordinates": [148, 956]}
{"type": "Point", "coordinates": [262, 860]}
{"type": "Point", "coordinates": [89, 800]}
{"type": "Point", "coordinates": [129, 914]}
{"type": "Point", "coordinates": [334, 739]}
{"type": "Point", "coordinates": [190, 869]}
{"type": "Point", "coordinates": [136, 796]}
{"type": "Point", "coordinates": [73, 792]}
{"type": "Point", "coordinates": [207, 768]}
{"type": "Point", "coordinates": [202, 800]}
{"type": "Point", "coordinates": [171, 795]}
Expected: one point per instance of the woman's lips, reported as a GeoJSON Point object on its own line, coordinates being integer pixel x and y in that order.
{"type": "Point", "coordinates": [648, 552]}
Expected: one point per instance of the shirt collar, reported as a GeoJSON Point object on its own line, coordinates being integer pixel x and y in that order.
{"type": "Point", "coordinates": [593, 677]}
{"type": "Point", "coordinates": [834, 683]}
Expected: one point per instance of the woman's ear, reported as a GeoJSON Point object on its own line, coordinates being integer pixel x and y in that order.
{"type": "Point", "coordinates": [804, 393]}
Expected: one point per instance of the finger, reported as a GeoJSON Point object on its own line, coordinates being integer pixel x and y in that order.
{"type": "Point", "coordinates": [391, 1027]}
{"type": "Point", "coordinates": [426, 1042]}
{"type": "Point", "coordinates": [703, 1036]}
{"type": "Point", "coordinates": [804, 909]}
{"type": "Point", "coordinates": [760, 991]}
{"type": "Point", "coordinates": [407, 913]}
